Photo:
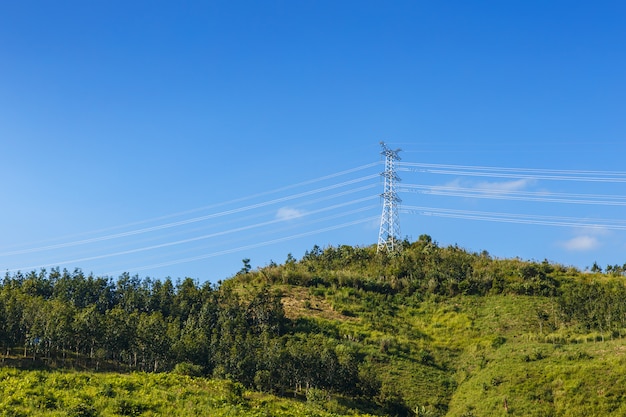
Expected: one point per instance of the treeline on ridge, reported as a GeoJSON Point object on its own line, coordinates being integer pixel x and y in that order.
{"type": "Point", "coordinates": [586, 300]}
{"type": "Point", "coordinates": [238, 329]}
{"type": "Point", "coordinates": [150, 325]}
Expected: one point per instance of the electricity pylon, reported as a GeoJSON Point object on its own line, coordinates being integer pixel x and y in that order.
{"type": "Point", "coordinates": [389, 235]}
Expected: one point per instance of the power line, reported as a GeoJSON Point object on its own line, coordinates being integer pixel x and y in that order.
{"type": "Point", "coordinates": [561, 221]}
{"type": "Point", "coordinates": [203, 237]}
{"type": "Point", "coordinates": [389, 219]}
{"type": "Point", "coordinates": [303, 214]}
{"type": "Point", "coordinates": [538, 196]}
{"type": "Point", "coordinates": [189, 221]}
{"type": "Point", "coordinates": [524, 176]}
{"type": "Point", "coordinates": [178, 214]}
{"type": "Point", "coordinates": [258, 215]}
{"type": "Point", "coordinates": [519, 173]}
{"type": "Point", "coordinates": [508, 169]}
{"type": "Point", "coordinates": [248, 247]}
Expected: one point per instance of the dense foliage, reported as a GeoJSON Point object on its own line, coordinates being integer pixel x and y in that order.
{"type": "Point", "coordinates": [395, 334]}
{"type": "Point", "coordinates": [148, 325]}
{"type": "Point", "coordinates": [89, 394]}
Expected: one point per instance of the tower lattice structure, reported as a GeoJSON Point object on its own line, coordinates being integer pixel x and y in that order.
{"type": "Point", "coordinates": [389, 234]}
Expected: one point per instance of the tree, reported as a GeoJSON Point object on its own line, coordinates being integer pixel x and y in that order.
{"type": "Point", "coordinates": [596, 268]}
{"type": "Point", "coordinates": [152, 339]}
{"type": "Point", "coordinates": [246, 266]}
{"type": "Point", "coordinates": [88, 329]}
{"type": "Point", "coordinates": [188, 299]}
{"type": "Point", "coordinates": [119, 331]}
{"type": "Point", "coordinates": [265, 313]}
{"type": "Point", "coordinates": [162, 298]}
{"type": "Point", "coordinates": [130, 294]}
{"type": "Point", "coordinates": [58, 327]}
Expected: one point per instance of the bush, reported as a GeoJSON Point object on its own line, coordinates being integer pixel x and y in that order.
{"type": "Point", "coordinates": [425, 357]}
{"type": "Point", "coordinates": [234, 393]}
{"type": "Point", "coordinates": [82, 410]}
{"type": "Point", "coordinates": [107, 390]}
{"type": "Point", "coordinates": [263, 380]}
{"type": "Point", "coordinates": [391, 400]}
{"type": "Point", "coordinates": [130, 408]}
{"type": "Point", "coordinates": [188, 369]}
{"type": "Point", "coordinates": [12, 412]}
{"type": "Point", "coordinates": [498, 341]}
{"type": "Point", "coordinates": [369, 382]}
{"type": "Point", "coordinates": [317, 396]}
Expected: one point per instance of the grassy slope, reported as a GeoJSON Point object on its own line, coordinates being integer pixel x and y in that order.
{"type": "Point", "coordinates": [461, 356]}
{"type": "Point", "coordinates": [533, 375]}
{"type": "Point", "coordinates": [58, 393]}
{"type": "Point", "coordinates": [476, 356]}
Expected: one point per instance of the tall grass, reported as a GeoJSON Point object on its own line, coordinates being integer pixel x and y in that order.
{"type": "Point", "coordinates": [84, 394]}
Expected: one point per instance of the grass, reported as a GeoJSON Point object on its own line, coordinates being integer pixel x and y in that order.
{"type": "Point", "coordinates": [80, 394]}
{"type": "Point", "coordinates": [463, 356]}
{"type": "Point", "coordinates": [480, 356]}
{"type": "Point", "coordinates": [539, 379]}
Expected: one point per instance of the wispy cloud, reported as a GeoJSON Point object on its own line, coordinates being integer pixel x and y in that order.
{"type": "Point", "coordinates": [487, 187]}
{"type": "Point", "coordinates": [581, 243]}
{"type": "Point", "coordinates": [504, 186]}
{"type": "Point", "coordinates": [288, 213]}
{"type": "Point", "coordinates": [484, 188]}
{"type": "Point", "coordinates": [585, 239]}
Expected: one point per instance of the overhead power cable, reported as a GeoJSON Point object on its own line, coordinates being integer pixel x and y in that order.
{"type": "Point", "coordinates": [561, 221]}
{"type": "Point", "coordinates": [220, 204]}
{"type": "Point", "coordinates": [519, 173]}
{"type": "Point", "coordinates": [192, 220]}
{"type": "Point", "coordinates": [496, 194]}
{"type": "Point", "coordinates": [508, 169]}
{"type": "Point", "coordinates": [208, 236]}
{"type": "Point", "coordinates": [256, 215]}
{"type": "Point", "coordinates": [247, 247]}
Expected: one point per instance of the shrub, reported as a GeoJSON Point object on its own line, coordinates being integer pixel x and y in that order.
{"type": "Point", "coordinates": [498, 341]}
{"type": "Point", "coordinates": [131, 408]}
{"type": "Point", "coordinates": [82, 409]}
{"type": "Point", "coordinates": [107, 390]}
{"type": "Point", "coordinates": [317, 396]}
{"type": "Point", "coordinates": [188, 369]}
{"type": "Point", "coordinates": [263, 380]}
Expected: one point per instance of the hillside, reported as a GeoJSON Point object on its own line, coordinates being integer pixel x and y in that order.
{"type": "Point", "coordinates": [432, 331]}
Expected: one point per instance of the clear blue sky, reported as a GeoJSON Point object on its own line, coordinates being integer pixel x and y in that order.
{"type": "Point", "coordinates": [134, 134]}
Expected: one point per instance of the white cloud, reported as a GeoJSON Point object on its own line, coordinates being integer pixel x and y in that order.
{"type": "Point", "coordinates": [504, 186]}
{"type": "Point", "coordinates": [487, 187]}
{"type": "Point", "coordinates": [288, 213]}
{"type": "Point", "coordinates": [581, 243]}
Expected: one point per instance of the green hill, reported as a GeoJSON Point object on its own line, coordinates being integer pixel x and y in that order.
{"type": "Point", "coordinates": [429, 331]}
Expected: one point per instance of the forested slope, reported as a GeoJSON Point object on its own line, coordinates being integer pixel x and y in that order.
{"type": "Point", "coordinates": [429, 331]}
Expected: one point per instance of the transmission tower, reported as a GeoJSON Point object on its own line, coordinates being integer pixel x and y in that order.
{"type": "Point", "coordinates": [389, 235]}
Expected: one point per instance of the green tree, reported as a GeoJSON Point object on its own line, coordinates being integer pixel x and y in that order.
{"type": "Point", "coordinates": [188, 299]}
{"type": "Point", "coordinates": [246, 266]}
{"type": "Point", "coordinates": [88, 330]}
{"type": "Point", "coordinates": [265, 313]}
{"type": "Point", "coordinates": [119, 333]}
{"type": "Point", "coordinates": [152, 340]}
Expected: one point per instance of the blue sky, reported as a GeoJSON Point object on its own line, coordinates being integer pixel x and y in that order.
{"type": "Point", "coordinates": [177, 138]}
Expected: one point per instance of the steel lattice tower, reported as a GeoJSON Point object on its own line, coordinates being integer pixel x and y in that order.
{"type": "Point", "coordinates": [389, 235]}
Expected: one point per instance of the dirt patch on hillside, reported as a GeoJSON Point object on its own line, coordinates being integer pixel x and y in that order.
{"type": "Point", "coordinates": [299, 302]}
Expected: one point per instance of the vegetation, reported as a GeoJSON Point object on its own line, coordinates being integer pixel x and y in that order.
{"type": "Point", "coordinates": [430, 331]}
{"type": "Point", "coordinates": [83, 394]}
